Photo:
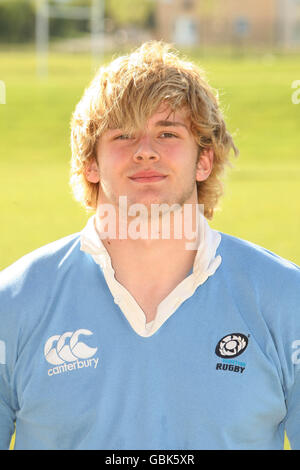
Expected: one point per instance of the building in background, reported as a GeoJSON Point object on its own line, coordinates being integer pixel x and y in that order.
{"type": "Point", "coordinates": [266, 23]}
{"type": "Point", "coordinates": [289, 24]}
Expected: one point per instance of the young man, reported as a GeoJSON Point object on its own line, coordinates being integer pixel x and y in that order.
{"type": "Point", "coordinates": [161, 334]}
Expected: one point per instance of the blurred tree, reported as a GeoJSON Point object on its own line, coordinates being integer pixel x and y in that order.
{"type": "Point", "coordinates": [17, 21]}
{"type": "Point", "coordinates": [17, 18]}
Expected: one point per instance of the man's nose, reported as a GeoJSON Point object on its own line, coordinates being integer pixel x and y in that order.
{"type": "Point", "coordinates": [145, 150]}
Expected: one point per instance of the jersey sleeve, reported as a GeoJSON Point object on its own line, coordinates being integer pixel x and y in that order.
{"type": "Point", "coordinates": [278, 304]}
{"type": "Point", "coordinates": [24, 296]}
{"type": "Point", "coordinates": [286, 330]}
{"type": "Point", "coordinates": [8, 355]}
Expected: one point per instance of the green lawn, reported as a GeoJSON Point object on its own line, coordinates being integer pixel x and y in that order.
{"type": "Point", "coordinates": [261, 201]}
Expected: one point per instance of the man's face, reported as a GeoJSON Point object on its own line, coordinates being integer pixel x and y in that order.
{"type": "Point", "coordinates": [153, 165]}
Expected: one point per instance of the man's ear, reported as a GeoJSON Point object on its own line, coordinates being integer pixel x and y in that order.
{"type": "Point", "coordinates": [205, 164]}
{"type": "Point", "coordinates": [91, 171]}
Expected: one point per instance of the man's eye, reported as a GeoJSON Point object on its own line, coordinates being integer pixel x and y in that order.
{"type": "Point", "coordinates": [167, 135]}
{"type": "Point", "coordinates": [123, 137]}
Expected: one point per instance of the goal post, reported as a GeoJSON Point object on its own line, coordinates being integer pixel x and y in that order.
{"type": "Point", "coordinates": [64, 9]}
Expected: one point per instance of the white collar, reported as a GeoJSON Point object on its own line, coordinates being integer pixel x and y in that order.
{"type": "Point", "coordinates": [205, 265]}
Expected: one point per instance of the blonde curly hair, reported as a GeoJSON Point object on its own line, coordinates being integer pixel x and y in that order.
{"type": "Point", "coordinates": [127, 92]}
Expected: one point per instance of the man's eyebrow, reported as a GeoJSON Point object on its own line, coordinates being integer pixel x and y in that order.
{"type": "Point", "coordinates": [170, 123]}
{"type": "Point", "coordinates": [162, 123]}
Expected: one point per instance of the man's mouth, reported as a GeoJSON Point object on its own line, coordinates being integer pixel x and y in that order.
{"type": "Point", "coordinates": [147, 177]}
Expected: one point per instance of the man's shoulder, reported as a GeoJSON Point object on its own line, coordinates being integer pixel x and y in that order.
{"type": "Point", "coordinates": [256, 260]}
{"type": "Point", "coordinates": [41, 262]}
{"type": "Point", "coordinates": [263, 284]}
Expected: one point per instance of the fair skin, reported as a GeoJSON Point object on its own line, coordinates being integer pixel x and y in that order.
{"type": "Point", "coordinates": [165, 145]}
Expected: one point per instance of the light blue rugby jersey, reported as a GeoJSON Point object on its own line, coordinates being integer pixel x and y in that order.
{"type": "Point", "coordinates": [222, 372]}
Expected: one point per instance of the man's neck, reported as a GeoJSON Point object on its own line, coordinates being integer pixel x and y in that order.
{"type": "Point", "coordinates": [150, 271]}
{"type": "Point", "coordinates": [164, 251]}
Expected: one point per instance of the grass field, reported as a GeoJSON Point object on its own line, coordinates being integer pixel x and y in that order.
{"type": "Point", "coordinates": [261, 201]}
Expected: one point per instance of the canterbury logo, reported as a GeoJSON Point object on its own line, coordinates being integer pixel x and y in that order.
{"type": "Point", "coordinates": [57, 350]}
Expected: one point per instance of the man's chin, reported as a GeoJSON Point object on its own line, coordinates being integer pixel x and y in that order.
{"type": "Point", "coordinates": [145, 203]}
{"type": "Point", "coordinates": [154, 204]}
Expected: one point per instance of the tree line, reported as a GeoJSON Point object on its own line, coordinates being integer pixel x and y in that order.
{"type": "Point", "coordinates": [17, 18]}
